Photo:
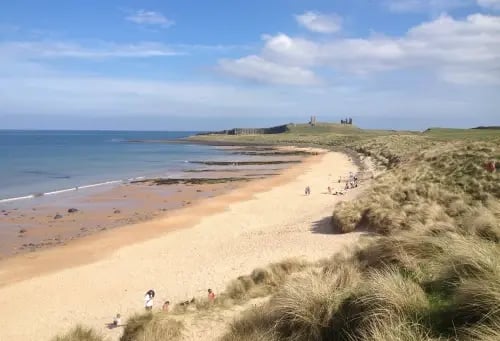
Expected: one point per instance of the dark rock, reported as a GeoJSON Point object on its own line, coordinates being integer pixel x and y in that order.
{"type": "Point", "coordinates": [117, 211]}
{"type": "Point", "coordinates": [72, 210]}
{"type": "Point", "coordinates": [22, 231]}
{"type": "Point", "coordinates": [58, 216]}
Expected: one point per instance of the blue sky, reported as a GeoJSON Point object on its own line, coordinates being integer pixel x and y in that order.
{"type": "Point", "coordinates": [217, 64]}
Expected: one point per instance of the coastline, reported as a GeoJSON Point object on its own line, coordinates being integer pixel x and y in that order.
{"type": "Point", "coordinates": [54, 220]}
{"type": "Point", "coordinates": [192, 235]}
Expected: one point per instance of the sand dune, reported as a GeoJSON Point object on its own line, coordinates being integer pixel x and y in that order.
{"type": "Point", "coordinates": [224, 237]}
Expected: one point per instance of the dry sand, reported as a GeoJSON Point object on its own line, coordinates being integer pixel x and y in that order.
{"type": "Point", "coordinates": [207, 245]}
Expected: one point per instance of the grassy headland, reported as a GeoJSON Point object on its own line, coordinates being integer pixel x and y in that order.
{"type": "Point", "coordinates": [429, 269]}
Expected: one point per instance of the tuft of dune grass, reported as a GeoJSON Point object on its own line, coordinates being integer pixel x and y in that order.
{"type": "Point", "coordinates": [306, 307]}
{"type": "Point", "coordinates": [135, 325]}
{"type": "Point", "coordinates": [387, 293]}
{"type": "Point", "coordinates": [482, 332]}
{"type": "Point", "coordinates": [392, 329]}
{"type": "Point", "coordinates": [151, 327]}
{"type": "Point", "coordinates": [478, 299]}
{"type": "Point", "coordinates": [484, 222]}
{"type": "Point", "coordinates": [346, 217]}
{"type": "Point", "coordinates": [160, 329]}
{"type": "Point", "coordinates": [465, 257]}
{"type": "Point", "coordinates": [80, 333]}
{"type": "Point", "coordinates": [255, 324]}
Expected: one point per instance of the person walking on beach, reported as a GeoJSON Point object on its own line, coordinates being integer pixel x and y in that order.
{"type": "Point", "coordinates": [148, 299]}
{"type": "Point", "coordinates": [166, 306]}
{"type": "Point", "coordinates": [329, 190]}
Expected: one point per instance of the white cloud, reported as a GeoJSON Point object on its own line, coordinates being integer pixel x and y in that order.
{"type": "Point", "coordinates": [297, 50]}
{"type": "Point", "coordinates": [468, 48]}
{"type": "Point", "coordinates": [318, 22]}
{"type": "Point", "coordinates": [433, 6]}
{"type": "Point", "coordinates": [258, 69]}
{"type": "Point", "coordinates": [144, 17]}
{"type": "Point", "coordinates": [101, 50]}
{"type": "Point", "coordinates": [491, 4]}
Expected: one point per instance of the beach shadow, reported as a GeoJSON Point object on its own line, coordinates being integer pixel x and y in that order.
{"type": "Point", "coordinates": [323, 226]}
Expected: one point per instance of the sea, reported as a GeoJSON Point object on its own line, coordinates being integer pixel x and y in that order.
{"type": "Point", "coordinates": [39, 163]}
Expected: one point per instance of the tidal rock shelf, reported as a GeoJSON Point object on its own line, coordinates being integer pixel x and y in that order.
{"type": "Point", "coordinates": [274, 153]}
{"type": "Point", "coordinates": [190, 181]}
{"type": "Point", "coordinates": [244, 163]}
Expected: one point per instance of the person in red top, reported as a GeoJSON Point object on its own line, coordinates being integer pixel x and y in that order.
{"type": "Point", "coordinates": [211, 295]}
{"type": "Point", "coordinates": [490, 166]}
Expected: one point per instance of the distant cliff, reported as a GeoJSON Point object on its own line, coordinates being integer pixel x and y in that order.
{"type": "Point", "coordinates": [488, 127]}
{"type": "Point", "coordinates": [249, 131]}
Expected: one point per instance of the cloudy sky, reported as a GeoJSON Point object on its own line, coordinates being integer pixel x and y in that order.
{"type": "Point", "coordinates": [216, 64]}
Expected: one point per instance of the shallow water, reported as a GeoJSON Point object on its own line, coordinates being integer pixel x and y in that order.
{"type": "Point", "coordinates": [33, 162]}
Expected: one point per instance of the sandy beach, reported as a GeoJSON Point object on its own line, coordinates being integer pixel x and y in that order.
{"type": "Point", "coordinates": [206, 245]}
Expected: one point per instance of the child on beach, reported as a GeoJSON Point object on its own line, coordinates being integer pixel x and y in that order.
{"type": "Point", "coordinates": [148, 300]}
{"type": "Point", "coordinates": [211, 295]}
{"type": "Point", "coordinates": [165, 306]}
{"type": "Point", "coordinates": [329, 190]}
{"type": "Point", "coordinates": [117, 320]}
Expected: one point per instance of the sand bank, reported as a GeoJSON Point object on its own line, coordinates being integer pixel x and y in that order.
{"type": "Point", "coordinates": [92, 279]}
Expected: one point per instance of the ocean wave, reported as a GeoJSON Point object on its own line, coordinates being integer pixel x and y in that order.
{"type": "Point", "coordinates": [60, 191]}
{"type": "Point", "coordinates": [17, 198]}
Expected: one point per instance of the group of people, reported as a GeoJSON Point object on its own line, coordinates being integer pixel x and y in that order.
{"type": "Point", "coordinates": [150, 294]}
{"type": "Point", "coordinates": [352, 182]}
{"type": "Point", "coordinates": [148, 305]}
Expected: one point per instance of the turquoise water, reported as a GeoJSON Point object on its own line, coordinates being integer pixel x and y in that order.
{"type": "Point", "coordinates": [33, 162]}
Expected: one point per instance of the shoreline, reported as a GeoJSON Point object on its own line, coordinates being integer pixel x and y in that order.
{"type": "Point", "coordinates": [54, 220]}
{"type": "Point", "coordinates": [180, 256]}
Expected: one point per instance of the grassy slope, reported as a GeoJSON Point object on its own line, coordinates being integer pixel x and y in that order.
{"type": "Point", "coordinates": [430, 272]}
